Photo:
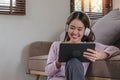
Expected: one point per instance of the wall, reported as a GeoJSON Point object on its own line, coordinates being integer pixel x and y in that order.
{"type": "Point", "coordinates": [44, 21]}
{"type": "Point", "coordinates": [116, 4]}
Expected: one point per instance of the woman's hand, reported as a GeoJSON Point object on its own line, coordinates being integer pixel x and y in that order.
{"type": "Point", "coordinates": [94, 55]}
{"type": "Point", "coordinates": [58, 64]}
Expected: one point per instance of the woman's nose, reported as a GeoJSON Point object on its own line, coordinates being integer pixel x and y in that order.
{"type": "Point", "coordinates": [75, 31]}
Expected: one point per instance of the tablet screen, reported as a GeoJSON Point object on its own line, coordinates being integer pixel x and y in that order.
{"type": "Point", "coordinates": [70, 50]}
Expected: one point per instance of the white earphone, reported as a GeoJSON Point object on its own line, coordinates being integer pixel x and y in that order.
{"type": "Point", "coordinates": [66, 27]}
{"type": "Point", "coordinates": [87, 32]}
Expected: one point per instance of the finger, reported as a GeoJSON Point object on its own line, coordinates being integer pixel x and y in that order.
{"type": "Point", "coordinates": [91, 50]}
{"type": "Point", "coordinates": [93, 59]}
{"type": "Point", "coordinates": [89, 54]}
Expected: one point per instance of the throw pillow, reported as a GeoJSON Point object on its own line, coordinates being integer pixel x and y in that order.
{"type": "Point", "coordinates": [117, 43]}
{"type": "Point", "coordinates": [107, 28]}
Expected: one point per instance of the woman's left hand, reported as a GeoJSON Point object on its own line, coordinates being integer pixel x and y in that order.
{"type": "Point", "coordinates": [94, 55]}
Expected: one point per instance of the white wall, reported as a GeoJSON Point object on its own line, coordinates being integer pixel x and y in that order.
{"type": "Point", "coordinates": [44, 21]}
{"type": "Point", "coordinates": [116, 4]}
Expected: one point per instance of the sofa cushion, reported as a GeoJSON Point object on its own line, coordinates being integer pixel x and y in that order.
{"type": "Point", "coordinates": [107, 29]}
{"type": "Point", "coordinates": [117, 57]}
{"type": "Point", "coordinates": [37, 62]}
{"type": "Point", "coordinates": [108, 69]}
{"type": "Point", "coordinates": [117, 43]}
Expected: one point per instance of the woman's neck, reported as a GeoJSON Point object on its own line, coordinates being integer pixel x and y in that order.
{"type": "Point", "coordinates": [73, 42]}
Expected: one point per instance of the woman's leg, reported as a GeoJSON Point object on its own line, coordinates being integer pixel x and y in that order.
{"type": "Point", "coordinates": [74, 70]}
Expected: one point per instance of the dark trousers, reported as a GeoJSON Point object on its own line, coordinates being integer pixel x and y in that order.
{"type": "Point", "coordinates": [74, 70]}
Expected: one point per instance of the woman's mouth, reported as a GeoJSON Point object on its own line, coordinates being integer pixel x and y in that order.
{"type": "Point", "coordinates": [74, 36]}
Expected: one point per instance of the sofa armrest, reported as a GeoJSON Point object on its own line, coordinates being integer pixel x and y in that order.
{"type": "Point", "coordinates": [36, 50]}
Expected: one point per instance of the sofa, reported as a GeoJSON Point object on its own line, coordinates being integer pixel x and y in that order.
{"type": "Point", "coordinates": [99, 70]}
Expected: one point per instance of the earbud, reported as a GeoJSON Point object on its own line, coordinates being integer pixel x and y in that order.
{"type": "Point", "coordinates": [87, 32]}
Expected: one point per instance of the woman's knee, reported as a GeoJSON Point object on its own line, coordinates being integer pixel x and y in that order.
{"type": "Point", "coordinates": [73, 61]}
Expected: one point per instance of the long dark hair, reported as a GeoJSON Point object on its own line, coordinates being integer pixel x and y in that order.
{"type": "Point", "coordinates": [85, 20]}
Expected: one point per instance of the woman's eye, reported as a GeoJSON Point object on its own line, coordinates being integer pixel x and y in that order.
{"type": "Point", "coordinates": [79, 29]}
{"type": "Point", "coordinates": [72, 28]}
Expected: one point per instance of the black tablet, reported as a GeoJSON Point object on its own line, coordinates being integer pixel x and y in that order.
{"type": "Point", "coordinates": [70, 50]}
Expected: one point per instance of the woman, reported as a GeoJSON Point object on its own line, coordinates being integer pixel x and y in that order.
{"type": "Point", "coordinates": [78, 30]}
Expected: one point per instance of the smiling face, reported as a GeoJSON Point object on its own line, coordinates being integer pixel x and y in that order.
{"type": "Point", "coordinates": [75, 31]}
{"type": "Point", "coordinates": [76, 23]}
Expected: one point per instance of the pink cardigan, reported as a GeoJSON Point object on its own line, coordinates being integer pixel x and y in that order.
{"type": "Point", "coordinates": [59, 74]}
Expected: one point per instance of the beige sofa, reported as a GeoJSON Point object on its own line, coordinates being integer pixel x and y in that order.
{"type": "Point", "coordinates": [100, 70]}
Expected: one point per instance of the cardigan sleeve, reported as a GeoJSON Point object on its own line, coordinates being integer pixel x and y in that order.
{"type": "Point", "coordinates": [109, 49]}
{"type": "Point", "coordinates": [51, 68]}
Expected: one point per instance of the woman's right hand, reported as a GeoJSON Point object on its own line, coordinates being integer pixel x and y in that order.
{"type": "Point", "coordinates": [94, 55]}
{"type": "Point", "coordinates": [58, 64]}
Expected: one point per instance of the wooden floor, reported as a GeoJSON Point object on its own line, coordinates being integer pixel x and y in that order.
{"type": "Point", "coordinates": [39, 73]}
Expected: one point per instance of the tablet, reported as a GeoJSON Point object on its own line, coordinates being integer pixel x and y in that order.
{"type": "Point", "coordinates": [71, 50]}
